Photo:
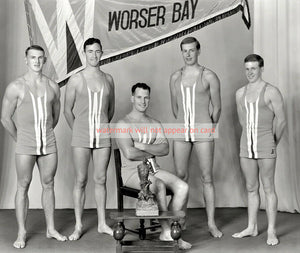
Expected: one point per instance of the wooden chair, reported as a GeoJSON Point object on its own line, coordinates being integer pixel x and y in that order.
{"type": "Point", "coordinates": [123, 190]}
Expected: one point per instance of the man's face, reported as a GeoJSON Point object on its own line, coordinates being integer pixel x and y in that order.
{"type": "Point", "coordinates": [140, 99]}
{"type": "Point", "coordinates": [93, 54]}
{"type": "Point", "coordinates": [253, 71]}
{"type": "Point", "coordinates": [190, 53]}
{"type": "Point", "coordinates": [35, 60]}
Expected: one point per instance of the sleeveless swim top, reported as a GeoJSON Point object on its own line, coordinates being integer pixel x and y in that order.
{"type": "Point", "coordinates": [257, 140]}
{"type": "Point", "coordinates": [34, 122]}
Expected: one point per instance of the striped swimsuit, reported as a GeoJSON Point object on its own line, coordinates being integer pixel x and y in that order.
{"type": "Point", "coordinates": [91, 120]}
{"type": "Point", "coordinates": [257, 140]}
{"type": "Point", "coordinates": [34, 122]}
{"type": "Point", "coordinates": [193, 110]}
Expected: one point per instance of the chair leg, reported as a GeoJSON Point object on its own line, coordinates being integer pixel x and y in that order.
{"type": "Point", "coordinates": [120, 202]}
{"type": "Point", "coordinates": [142, 230]}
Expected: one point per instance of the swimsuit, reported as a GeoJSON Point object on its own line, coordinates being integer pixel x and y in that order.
{"type": "Point", "coordinates": [193, 110]}
{"type": "Point", "coordinates": [91, 126]}
{"type": "Point", "coordinates": [257, 140]}
{"type": "Point", "coordinates": [34, 122]}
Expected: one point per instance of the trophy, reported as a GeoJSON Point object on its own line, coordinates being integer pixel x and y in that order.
{"type": "Point", "coordinates": [146, 204]}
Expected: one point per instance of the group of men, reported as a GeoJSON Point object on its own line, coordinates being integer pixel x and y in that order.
{"type": "Point", "coordinates": [34, 99]}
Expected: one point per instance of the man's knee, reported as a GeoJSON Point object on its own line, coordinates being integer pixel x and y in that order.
{"type": "Point", "coordinates": [207, 179]}
{"type": "Point", "coordinates": [182, 175]}
{"type": "Point", "coordinates": [100, 180]}
{"type": "Point", "coordinates": [182, 188]}
{"type": "Point", "coordinates": [81, 183]}
{"type": "Point", "coordinates": [48, 182]}
{"type": "Point", "coordinates": [252, 188]}
{"type": "Point", "coordinates": [23, 184]}
{"type": "Point", "coordinates": [269, 188]}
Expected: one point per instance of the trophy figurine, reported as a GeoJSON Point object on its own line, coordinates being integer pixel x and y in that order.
{"type": "Point", "coordinates": [146, 204]}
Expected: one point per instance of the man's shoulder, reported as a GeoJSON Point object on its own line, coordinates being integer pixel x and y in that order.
{"type": "Point", "coordinates": [51, 82]}
{"type": "Point", "coordinates": [272, 91]}
{"type": "Point", "coordinates": [108, 76]}
{"type": "Point", "coordinates": [175, 75]}
{"type": "Point", "coordinates": [75, 80]}
{"type": "Point", "coordinates": [208, 74]}
{"type": "Point", "coordinates": [240, 91]}
{"type": "Point", "coordinates": [16, 86]}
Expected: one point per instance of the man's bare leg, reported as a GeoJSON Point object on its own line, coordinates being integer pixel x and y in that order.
{"type": "Point", "coordinates": [24, 167]}
{"type": "Point", "coordinates": [47, 165]}
{"type": "Point", "coordinates": [158, 187]}
{"type": "Point", "coordinates": [101, 159]}
{"type": "Point", "coordinates": [205, 154]}
{"type": "Point", "coordinates": [267, 173]}
{"type": "Point", "coordinates": [81, 158]}
{"type": "Point", "coordinates": [180, 190]}
{"type": "Point", "coordinates": [181, 155]}
{"type": "Point", "coordinates": [250, 171]}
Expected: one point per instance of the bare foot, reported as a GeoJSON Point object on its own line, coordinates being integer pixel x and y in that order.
{"type": "Point", "coordinates": [166, 236]}
{"type": "Point", "coordinates": [215, 232]}
{"type": "Point", "coordinates": [20, 243]}
{"type": "Point", "coordinates": [247, 232]}
{"type": "Point", "coordinates": [184, 245]}
{"type": "Point", "coordinates": [75, 235]}
{"type": "Point", "coordinates": [54, 234]}
{"type": "Point", "coordinates": [104, 229]}
{"type": "Point", "coordinates": [272, 239]}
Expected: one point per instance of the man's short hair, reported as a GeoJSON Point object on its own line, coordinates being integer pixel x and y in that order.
{"type": "Point", "coordinates": [253, 58]}
{"type": "Point", "coordinates": [91, 41]}
{"type": "Point", "coordinates": [140, 85]}
{"type": "Point", "coordinates": [189, 40]}
{"type": "Point", "coordinates": [36, 47]}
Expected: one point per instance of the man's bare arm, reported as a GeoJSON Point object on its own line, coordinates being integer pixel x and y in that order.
{"type": "Point", "coordinates": [278, 108]}
{"type": "Point", "coordinates": [56, 104]}
{"type": "Point", "coordinates": [160, 147]}
{"type": "Point", "coordinates": [238, 96]}
{"type": "Point", "coordinates": [70, 94]}
{"type": "Point", "coordinates": [126, 144]}
{"type": "Point", "coordinates": [173, 94]}
{"type": "Point", "coordinates": [9, 105]}
{"type": "Point", "coordinates": [111, 107]}
{"type": "Point", "coordinates": [214, 87]}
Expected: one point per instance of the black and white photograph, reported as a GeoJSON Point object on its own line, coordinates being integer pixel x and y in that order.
{"type": "Point", "coordinates": [150, 126]}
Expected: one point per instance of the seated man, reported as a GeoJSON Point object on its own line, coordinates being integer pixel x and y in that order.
{"type": "Point", "coordinates": [140, 143]}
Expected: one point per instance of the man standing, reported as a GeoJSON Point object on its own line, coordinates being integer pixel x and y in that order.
{"type": "Point", "coordinates": [89, 107]}
{"type": "Point", "coordinates": [147, 140]}
{"type": "Point", "coordinates": [261, 114]}
{"type": "Point", "coordinates": [34, 98]}
{"type": "Point", "coordinates": [194, 90]}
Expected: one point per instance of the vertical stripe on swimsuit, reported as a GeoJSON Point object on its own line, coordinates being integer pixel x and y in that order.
{"type": "Point", "coordinates": [39, 105]}
{"type": "Point", "coordinates": [252, 112]}
{"type": "Point", "coordinates": [188, 102]}
{"type": "Point", "coordinates": [94, 116]}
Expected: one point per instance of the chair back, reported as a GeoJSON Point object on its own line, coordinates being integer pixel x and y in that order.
{"type": "Point", "coordinates": [118, 165]}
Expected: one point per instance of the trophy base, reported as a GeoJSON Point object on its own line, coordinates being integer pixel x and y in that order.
{"type": "Point", "coordinates": [146, 208]}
